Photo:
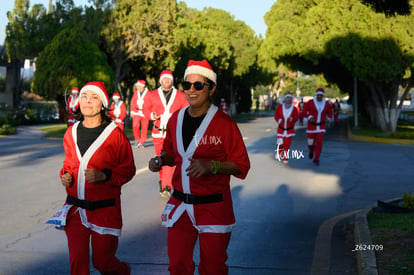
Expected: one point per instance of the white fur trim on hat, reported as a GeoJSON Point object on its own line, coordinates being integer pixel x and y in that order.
{"type": "Point", "coordinates": [196, 69]}
{"type": "Point", "coordinates": [97, 90]}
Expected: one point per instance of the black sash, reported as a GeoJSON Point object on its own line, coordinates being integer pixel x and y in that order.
{"type": "Point", "coordinates": [90, 205]}
{"type": "Point", "coordinates": [193, 199]}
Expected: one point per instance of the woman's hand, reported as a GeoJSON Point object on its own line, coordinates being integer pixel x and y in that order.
{"type": "Point", "coordinates": [94, 176]}
{"type": "Point", "coordinates": [67, 179]}
{"type": "Point", "coordinates": [199, 168]}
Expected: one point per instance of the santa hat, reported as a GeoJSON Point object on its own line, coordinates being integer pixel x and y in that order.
{"type": "Point", "coordinates": [289, 95]}
{"type": "Point", "coordinates": [75, 90]}
{"type": "Point", "coordinates": [202, 68]}
{"type": "Point", "coordinates": [320, 91]}
{"type": "Point", "coordinates": [166, 73]}
{"type": "Point", "coordinates": [140, 83]}
{"type": "Point", "coordinates": [99, 88]}
{"type": "Point", "coordinates": [116, 96]}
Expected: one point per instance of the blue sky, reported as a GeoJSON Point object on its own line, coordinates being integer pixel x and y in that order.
{"type": "Point", "coordinates": [251, 12]}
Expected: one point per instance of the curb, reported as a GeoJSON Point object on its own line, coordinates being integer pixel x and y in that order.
{"type": "Point", "coordinates": [378, 139]}
{"type": "Point", "coordinates": [366, 259]}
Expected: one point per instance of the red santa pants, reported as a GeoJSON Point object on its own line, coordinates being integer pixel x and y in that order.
{"type": "Point", "coordinates": [103, 249]}
{"type": "Point", "coordinates": [315, 141]}
{"type": "Point", "coordinates": [283, 148]}
{"type": "Point", "coordinates": [140, 128]}
{"type": "Point", "coordinates": [166, 173]}
{"type": "Point", "coordinates": [182, 238]}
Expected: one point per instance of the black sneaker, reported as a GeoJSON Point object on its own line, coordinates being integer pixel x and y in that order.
{"type": "Point", "coordinates": [316, 162]}
{"type": "Point", "coordinates": [311, 155]}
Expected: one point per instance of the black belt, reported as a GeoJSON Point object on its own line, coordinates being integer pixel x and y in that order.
{"type": "Point", "coordinates": [193, 199]}
{"type": "Point", "coordinates": [160, 129]}
{"type": "Point", "coordinates": [321, 123]}
{"type": "Point", "coordinates": [290, 128]}
{"type": "Point", "coordinates": [90, 205]}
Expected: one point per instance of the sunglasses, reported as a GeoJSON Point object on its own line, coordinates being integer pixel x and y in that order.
{"type": "Point", "coordinates": [198, 85]}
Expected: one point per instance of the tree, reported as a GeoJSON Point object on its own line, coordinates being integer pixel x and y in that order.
{"type": "Point", "coordinates": [346, 39]}
{"type": "Point", "coordinates": [142, 30]}
{"type": "Point", "coordinates": [228, 44]}
{"type": "Point", "coordinates": [64, 64]}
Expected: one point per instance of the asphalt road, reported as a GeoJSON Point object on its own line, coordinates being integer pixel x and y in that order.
{"type": "Point", "coordinates": [279, 207]}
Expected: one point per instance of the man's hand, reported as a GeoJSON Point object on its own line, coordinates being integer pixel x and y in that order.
{"type": "Point", "coordinates": [94, 176]}
{"type": "Point", "coordinates": [67, 179]}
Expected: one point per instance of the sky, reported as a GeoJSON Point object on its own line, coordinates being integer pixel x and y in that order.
{"type": "Point", "coordinates": [251, 12]}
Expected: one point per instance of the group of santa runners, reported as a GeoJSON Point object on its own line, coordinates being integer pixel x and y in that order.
{"type": "Point", "coordinates": [317, 111]}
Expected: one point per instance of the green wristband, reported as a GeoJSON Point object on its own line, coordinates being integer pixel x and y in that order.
{"type": "Point", "coordinates": [216, 166]}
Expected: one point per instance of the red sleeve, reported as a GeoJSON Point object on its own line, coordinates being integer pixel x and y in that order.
{"type": "Point", "coordinates": [236, 150]}
{"type": "Point", "coordinates": [123, 111]}
{"type": "Point", "coordinates": [147, 107]}
{"type": "Point", "coordinates": [134, 105]}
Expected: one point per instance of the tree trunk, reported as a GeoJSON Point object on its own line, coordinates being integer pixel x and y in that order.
{"type": "Point", "coordinates": [12, 97]}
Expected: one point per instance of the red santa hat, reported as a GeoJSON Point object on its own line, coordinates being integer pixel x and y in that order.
{"type": "Point", "coordinates": [116, 96]}
{"type": "Point", "coordinates": [75, 90]}
{"type": "Point", "coordinates": [166, 73]}
{"type": "Point", "coordinates": [140, 83]}
{"type": "Point", "coordinates": [320, 91]}
{"type": "Point", "coordinates": [99, 88]}
{"type": "Point", "coordinates": [288, 94]}
{"type": "Point", "coordinates": [202, 68]}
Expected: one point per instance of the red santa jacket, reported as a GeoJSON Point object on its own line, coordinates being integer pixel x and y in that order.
{"type": "Point", "coordinates": [320, 111]}
{"type": "Point", "coordinates": [72, 106]}
{"type": "Point", "coordinates": [157, 103]}
{"type": "Point", "coordinates": [118, 111]}
{"type": "Point", "coordinates": [286, 119]}
{"type": "Point", "coordinates": [110, 150]}
{"type": "Point", "coordinates": [218, 138]}
{"type": "Point", "coordinates": [137, 103]}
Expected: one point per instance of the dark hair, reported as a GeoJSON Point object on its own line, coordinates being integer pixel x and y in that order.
{"type": "Point", "coordinates": [104, 115]}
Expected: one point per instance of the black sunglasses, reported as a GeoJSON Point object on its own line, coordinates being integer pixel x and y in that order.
{"type": "Point", "coordinates": [198, 85]}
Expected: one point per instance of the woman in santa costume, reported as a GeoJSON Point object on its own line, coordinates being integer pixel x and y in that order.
{"type": "Point", "coordinates": [72, 105]}
{"type": "Point", "coordinates": [139, 120]}
{"type": "Point", "coordinates": [98, 161]}
{"type": "Point", "coordinates": [117, 111]}
{"type": "Point", "coordinates": [318, 113]}
{"type": "Point", "coordinates": [206, 147]}
{"type": "Point", "coordinates": [286, 115]}
{"type": "Point", "coordinates": [162, 103]}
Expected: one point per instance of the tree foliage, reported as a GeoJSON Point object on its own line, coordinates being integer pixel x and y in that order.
{"type": "Point", "coordinates": [342, 40]}
{"type": "Point", "coordinates": [64, 64]}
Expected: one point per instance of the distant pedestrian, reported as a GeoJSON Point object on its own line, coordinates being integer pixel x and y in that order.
{"type": "Point", "coordinates": [286, 115]}
{"type": "Point", "coordinates": [117, 111]}
{"type": "Point", "coordinates": [257, 107]}
{"type": "Point", "coordinates": [72, 106]}
{"type": "Point", "coordinates": [206, 147]}
{"type": "Point", "coordinates": [162, 103]}
{"type": "Point", "coordinates": [224, 106]}
{"type": "Point", "coordinates": [301, 106]}
{"type": "Point", "coordinates": [318, 112]}
{"type": "Point", "coordinates": [336, 107]}
{"type": "Point", "coordinates": [98, 161]}
{"type": "Point", "coordinates": [139, 120]}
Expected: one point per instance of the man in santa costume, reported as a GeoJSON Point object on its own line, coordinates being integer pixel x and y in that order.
{"type": "Point", "coordinates": [118, 110]}
{"type": "Point", "coordinates": [206, 147]}
{"type": "Point", "coordinates": [162, 103]}
{"type": "Point", "coordinates": [72, 105]}
{"type": "Point", "coordinates": [286, 115]}
{"type": "Point", "coordinates": [318, 113]}
{"type": "Point", "coordinates": [98, 161]}
{"type": "Point", "coordinates": [139, 120]}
